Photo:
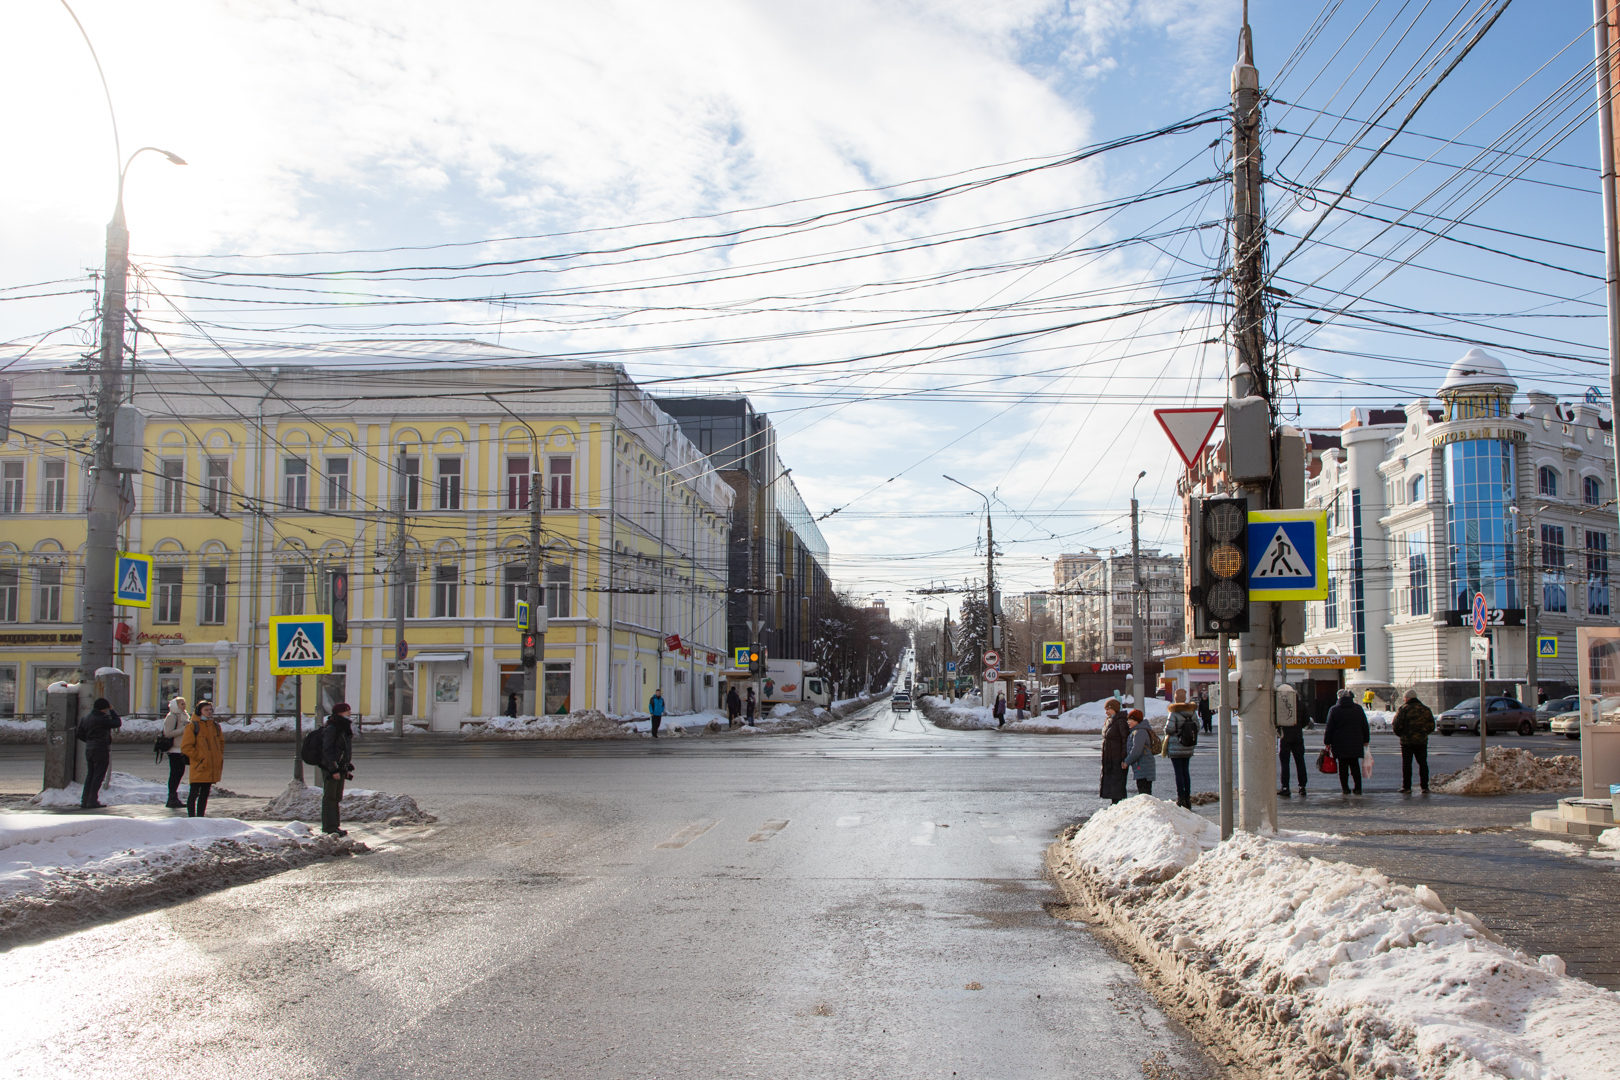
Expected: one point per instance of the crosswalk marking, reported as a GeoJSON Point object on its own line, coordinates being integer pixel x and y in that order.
{"type": "Point", "coordinates": [689, 834]}
{"type": "Point", "coordinates": [768, 830]}
{"type": "Point", "coordinates": [849, 821]}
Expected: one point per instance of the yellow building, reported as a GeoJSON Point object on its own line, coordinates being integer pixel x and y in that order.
{"type": "Point", "coordinates": [265, 474]}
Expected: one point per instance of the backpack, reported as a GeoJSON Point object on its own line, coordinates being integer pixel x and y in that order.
{"type": "Point", "coordinates": [1155, 744]}
{"type": "Point", "coordinates": [314, 747]}
{"type": "Point", "coordinates": [1187, 730]}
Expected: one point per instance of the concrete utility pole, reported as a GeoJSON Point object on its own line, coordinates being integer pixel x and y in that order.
{"type": "Point", "coordinates": [1251, 433]}
{"type": "Point", "coordinates": [1138, 597]}
{"type": "Point", "coordinates": [1532, 606]}
{"type": "Point", "coordinates": [990, 641]}
{"type": "Point", "coordinates": [1603, 24]}
{"type": "Point", "coordinates": [402, 482]}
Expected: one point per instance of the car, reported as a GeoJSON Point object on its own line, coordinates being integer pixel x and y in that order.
{"type": "Point", "coordinates": [1555, 707]}
{"type": "Point", "coordinates": [900, 702]}
{"type": "Point", "coordinates": [1502, 714]}
{"type": "Point", "coordinates": [1567, 724]}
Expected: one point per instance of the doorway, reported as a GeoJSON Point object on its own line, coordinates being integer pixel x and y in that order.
{"type": "Point", "coordinates": [449, 695]}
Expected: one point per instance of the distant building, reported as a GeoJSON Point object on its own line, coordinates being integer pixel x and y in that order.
{"type": "Point", "coordinates": [1094, 604]}
{"type": "Point", "coordinates": [880, 607]}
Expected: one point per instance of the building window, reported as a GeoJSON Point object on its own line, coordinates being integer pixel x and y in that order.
{"type": "Point", "coordinates": [411, 479]}
{"type": "Point", "coordinates": [213, 597]}
{"type": "Point", "coordinates": [446, 591]}
{"type": "Point", "coordinates": [217, 497]}
{"type": "Point", "coordinates": [559, 591]}
{"type": "Point", "coordinates": [172, 492]}
{"type": "Point", "coordinates": [169, 678]}
{"type": "Point", "coordinates": [292, 591]}
{"type": "Point", "coordinates": [10, 594]}
{"type": "Point", "coordinates": [449, 483]}
{"type": "Point", "coordinates": [49, 608]}
{"type": "Point", "coordinates": [203, 683]}
{"type": "Point", "coordinates": [11, 487]}
{"type": "Point", "coordinates": [410, 595]}
{"type": "Point", "coordinates": [517, 483]}
{"type": "Point", "coordinates": [1330, 606]}
{"type": "Point", "coordinates": [1417, 559]}
{"type": "Point", "coordinates": [562, 482]}
{"type": "Point", "coordinates": [401, 678]}
{"type": "Point", "coordinates": [1597, 572]}
{"type": "Point", "coordinates": [558, 687]}
{"type": "Point", "coordinates": [9, 687]}
{"type": "Point", "coordinates": [337, 483]}
{"type": "Point", "coordinates": [1547, 480]}
{"type": "Point", "coordinates": [1417, 489]}
{"type": "Point", "coordinates": [55, 497]}
{"type": "Point", "coordinates": [295, 484]}
{"type": "Point", "coordinates": [1592, 491]}
{"type": "Point", "coordinates": [1480, 537]}
{"type": "Point", "coordinates": [170, 580]}
{"type": "Point", "coordinates": [514, 577]}
{"type": "Point", "coordinates": [1553, 594]}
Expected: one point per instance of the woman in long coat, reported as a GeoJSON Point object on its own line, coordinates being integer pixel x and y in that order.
{"type": "Point", "coordinates": [1115, 732]}
{"type": "Point", "coordinates": [203, 743]}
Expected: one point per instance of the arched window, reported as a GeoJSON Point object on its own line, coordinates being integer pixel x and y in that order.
{"type": "Point", "coordinates": [1591, 491]}
{"type": "Point", "coordinates": [1417, 489]}
{"type": "Point", "coordinates": [1547, 480]}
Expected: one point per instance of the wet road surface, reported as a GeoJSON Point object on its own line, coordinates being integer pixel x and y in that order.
{"type": "Point", "coordinates": [861, 901]}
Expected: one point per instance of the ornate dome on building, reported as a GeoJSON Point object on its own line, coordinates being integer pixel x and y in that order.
{"type": "Point", "coordinates": [1477, 385]}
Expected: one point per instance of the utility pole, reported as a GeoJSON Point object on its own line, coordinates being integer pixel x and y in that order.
{"type": "Point", "coordinates": [1602, 21]}
{"type": "Point", "coordinates": [1138, 597]}
{"type": "Point", "coordinates": [402, 483]}
{"type": "Point", "coordinates": [534, 666]}
{"type": "Point", "coordinates": [1251, 431]}
{"type": "Point", "coordinates": [1532, 607]}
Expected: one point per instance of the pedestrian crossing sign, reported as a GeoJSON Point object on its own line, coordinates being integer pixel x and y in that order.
{"type": "Point", "coordinates": [1287, 555]}
{"type": "Point", "coordinates": [522, 614]}
{"type": "Point", "coordinates": [300, 644]}
{"type": "Point", "coordinates": [1547, 647]}
{"type": "Point", "coordinates": [133, 587]}
{"type": "Point", "coordinates": [1054, 652]}
{"type": "Point", "coordinates": [739, 658]}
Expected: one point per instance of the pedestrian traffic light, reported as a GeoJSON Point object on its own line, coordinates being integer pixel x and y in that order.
{"type": "Point", "coordinates": [340, 606]}
{"type": "Point", "coordinates": [531, 643]}
{"type": "Point", "coordinates": [756, 660]}
{"type": "Point", "coordinates": [1219, 592]}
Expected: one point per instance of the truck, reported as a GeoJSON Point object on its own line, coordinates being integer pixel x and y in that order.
{"type": "Point", "coordinates": [786, 681]}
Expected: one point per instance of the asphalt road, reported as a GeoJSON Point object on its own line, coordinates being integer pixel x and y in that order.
{"type": "Point", "coordinates": [861, 901]}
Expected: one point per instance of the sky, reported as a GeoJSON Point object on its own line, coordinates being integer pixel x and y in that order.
{"type": "Point", "coordinates": [865, 216]}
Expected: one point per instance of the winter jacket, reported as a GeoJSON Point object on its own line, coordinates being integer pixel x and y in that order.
{"type": "Point", "coordinates": [733, 702]}
{"type": "Point", "coordinates": [1292, 736]}
{"type": "Point", "coordinates": [999, 710]}
{"type": "Point", "coordinates": [1139, 752]}
{"type": "Point", "coordinates": [174, 723]}
{"type": "Point", "coordinates": [96, 730]}
{"type": "Point", "coordinates": [656, 705]}
{"type": "Point", "coordinates": [1113, 752]}
{"type": "Point", "coordinates": [1413, 723]}
{"type": "Point", "coordinates": [204, 746]}
{"type": "Point", "coordinates": [1347, 733]}
{"type": "Point", "coordinates": [1183, 721]}
{"type": "Point", "coordinates": [337, 745]}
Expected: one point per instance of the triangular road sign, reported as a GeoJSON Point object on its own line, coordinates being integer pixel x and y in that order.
{"type": "Point", "coordinates": [300, 649]}
{"type": "Point", "coordinates": [1189, 429]}
{"type": "Point", "coordinates": [133, 585]}
{"type": "Point", "coordinates": [1282, 559]}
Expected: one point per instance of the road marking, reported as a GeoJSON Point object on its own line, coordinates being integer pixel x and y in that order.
{"type": "Point", "coordinates": [768, 830]}
{"type": "Point", "coordinates": [849, 821]}
{"type": "Point", "coordinates": [925, 838]}
{"type": "Point", "coordinates": [689, 834]}
{"type": "Point", "coordinates": [1004, 840]}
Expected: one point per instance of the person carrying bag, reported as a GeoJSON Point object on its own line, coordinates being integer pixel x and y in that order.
{"type": "Point", "coordinates": [174, 726]}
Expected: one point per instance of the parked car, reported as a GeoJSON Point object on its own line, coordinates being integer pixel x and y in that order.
{"type": "Point", "coordinates": [1567, 724]}
{"type": "Point", "coordinates": [901, 702]}
{"type": "Point", "coordinates": [1545, 713]}
{"type": "Point", "coordinates": [1502, 714]}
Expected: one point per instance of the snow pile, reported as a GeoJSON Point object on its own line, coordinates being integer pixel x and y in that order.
{"type": "Point", "coordinates": [585, 724]}
{"type": "Point", "coordinates": [300, 803]}
{"type": "Point", "coordinates": [1509, 768]}
{"type": "Point", "coordinates": [1379, 719]}
{"type": "Point", "coordinates": [57, 870]}
{"type": "Point", "coordinates": [1143, 840]}
{"type": "Point", "coordinates": [782, 710]}
{"type": "Point", "coordinates": [1310, 967]}
{"type": "Point", "coordinates": [22, 731]}
{"type": "Point", "coordinates": [956, 715]}
{"type": "Point", "coordinates": [120, 789]}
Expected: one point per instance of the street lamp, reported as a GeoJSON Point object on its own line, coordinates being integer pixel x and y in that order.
{"type": "Point", "coordinates": [991, 640]}
{"type": "Point", "coordinates": [1532, 609]}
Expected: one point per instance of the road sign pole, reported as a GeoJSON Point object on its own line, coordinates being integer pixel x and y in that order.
{"type": "Point", "coordinates": [298, 729]}
{"type": "Point", "coordinates": [1225, 743]}
{"type": "Point", "coordinates": [1483, 662]}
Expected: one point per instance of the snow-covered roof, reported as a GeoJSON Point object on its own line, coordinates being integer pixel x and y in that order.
{"type": "Point", "coordinates": [1477, 370]}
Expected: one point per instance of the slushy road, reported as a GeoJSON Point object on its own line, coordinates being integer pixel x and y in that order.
{"type": "Point", "coordinates": [861, 901]}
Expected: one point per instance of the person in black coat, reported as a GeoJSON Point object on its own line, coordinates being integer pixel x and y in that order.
{"type": "Point", "coordinates": [96, 731]}
{"type": "Point", "coordinates": [1206, 714]}
{"type": "Point", "coordinates": [1346, 737]}
{"type": "Point", "coordinates": [337, 765]}
{"type": "Point", "coordinates": [1291, 745]}
{"type": "Point", "coordinates": [1115, 733]}
{"type": "Point", "coordinates": [733, 706]}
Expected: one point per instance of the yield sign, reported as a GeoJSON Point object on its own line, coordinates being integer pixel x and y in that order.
{"type": "Point", "coordinates": [1189, 429]}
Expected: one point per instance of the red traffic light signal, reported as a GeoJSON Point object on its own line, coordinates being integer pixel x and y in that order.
{"type": "Point", "coordinates": [531, 642]}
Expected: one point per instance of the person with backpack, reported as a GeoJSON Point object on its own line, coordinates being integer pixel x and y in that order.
{"type": "Point", "coordinates": [1346, 737]}
{"type": "Point", "coordinates": [1181, 735]}
{"type": "Point", "coordinates": [1140, 749]}
{"type": "Point", "coordinates": [95, 731]}
{"type": "Point", "coordinates": [337, 765]}
{"type": "Point", "coordinates": [174, 726]}
{"type": "Point", "coordinates": [203, 743]}
{"type": "Point", "coordinates": [1291, 746]}
{"type": "Point", "coordinates": [655, 709]}
{"type": "Point", "coordinates": [1413, 724]}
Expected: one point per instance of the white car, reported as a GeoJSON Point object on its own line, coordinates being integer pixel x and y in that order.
{"type": "Point", "coordinates": [1567, 724]}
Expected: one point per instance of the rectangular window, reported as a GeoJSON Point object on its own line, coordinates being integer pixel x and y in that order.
{"type": "Point", "coordinates": [1554, 596]}
{"type": "Point", "coordinates": [410, 595]}
{"type": "Point", "coordinates": [337, 483]}
{"type": "Point", "coordinates": [1417, 561]}
{"type": "Point", "coordinates": [446, 591]}
{"type": "Point", "coordinates": [203, 681]}
{"type": "Point", "coordinates": [292, 591]}
{"type": "Point", "coordinates": [411, 478]}
{"type": "Point", "coordinates": [54, 500]}
{"type": "Point", "coordinates": [323, 591]}
{"type": "Point", "coordinates": [217, 494]}
{"type": "Point", "coordinates": [170, 580]}
{"type": "Point", "coordinates": [514, 576]}
{"type": "Point", "coordinates": [401, 679]}
{"type": "Point", "coordinates": [449, 483]}
{"type": "Point", "coordinates": [9, 685]}
{"type": "Point", "coordinates": [562, 483]}
{"type": "Point", "coordinates": [172, 488]}
{"type": "Point", "coordinates": [10, 595]}
{"type": "Point", "coordinates": [1597, 572]}
{"type": "Point", "coordinates": [559, 591]}
{"type": "Point", "coordinates": [1330, 606]}
{"type": "Point", "coordinates": [295, 486]}
{"type": "Point", "coordinates": [558, 687]}
{"type": "Point", "coordinates": [11, 487]}
{"type": "Point", "coordinates": [49, 608]}
{"type": "Point", "coordinates": [517, 483]}
{"type": "Point", "coordinates": [213, 596]}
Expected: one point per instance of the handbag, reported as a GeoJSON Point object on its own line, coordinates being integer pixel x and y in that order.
{"type": "Point", "coordinates": [1366, 765]}
{"type": "Point", "coordinates": [1325, 762]}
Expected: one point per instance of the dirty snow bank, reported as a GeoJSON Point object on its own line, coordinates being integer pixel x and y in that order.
{"type": "Point", "coordinates": [1312, 968]}
{"type": "Point", "coordinates": [585, 724]}
{"type": "Point", "coordinates": [299, 804]}
{"type": "Point", "coordinates": [1510, 768]}
{"type": "Point", "coordinates": [955, 715]}
{"type": "Point", "coordinates": [121, 789]}
{"type": "Point", "coordinates": [57, 871]}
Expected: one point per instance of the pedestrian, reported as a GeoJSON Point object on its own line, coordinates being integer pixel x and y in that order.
{"type": "Point", "coordinates": [733, 706]}
{"type": "Point", "coordinates": [748, 708]}
{"type": "Point", "coordinates": [337, 765]}
{"type": "Point", "coordinates": [1413, 724]}
{"type": "Point", "coordinates": [655, 709]}
{"type": "Point", "coordinates": [174, 726]}
{"type": "Point", "coordinates": [1346, 737]}
{"type": "Point", "coordinates": [999, 709]}
{"type": "Point", "coordinates": [1115, 734]}
{"type": "Point", "coordinates": [1141, 746]}
{"type": "Point", "coordinates": [512, 704]}
{"type": "Point", "coordinates": [204, 746]}
{"type": "Point", "coordinates": [1368, 698]}
{"type": "Point", "coordinates": [1205, 713]}
{"type": "Point", "coordinates": [1291, 746]}
{"type": "Point", "coordinates": [1021, 700]}
{"type": "Point", "coordinates": [1181, 732]}
{"type": "Point", "coordinates": [96, 732]}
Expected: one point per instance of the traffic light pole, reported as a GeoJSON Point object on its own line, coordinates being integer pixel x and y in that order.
{"type": "Point", "coordinates": [1224, 745]}
{"type": "Point", "coordinates": [399, 594]}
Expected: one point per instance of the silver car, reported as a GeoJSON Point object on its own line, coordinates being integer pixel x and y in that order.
{"type": "Point", "coordinates": [1567, 724]}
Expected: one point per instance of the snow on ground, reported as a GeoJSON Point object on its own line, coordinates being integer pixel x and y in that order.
{"type": "Point", "coordinates": [1608, 846]}
{"type": "Point", "coordinates": [585, 724]}
{"type": "Point", "coordinates": [1086, 719]}
{"type": "Point", "coordinates": [121, 789]}
{"type": "Point", "coordinates": [1510, 768]}
{"type": "Point", "coordinates": [1304, 964]}
{"type": "Point", "coordinates": [299, 803]}
{"type": "Point", "coordinates": [1379, 719]}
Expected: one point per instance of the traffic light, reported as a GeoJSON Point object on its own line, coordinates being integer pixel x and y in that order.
{"type": "Point", "coordinates": [756, 660]}
{"type": "Point", "coordinates": [1220, 548]}
{"type": "Point", "coordinates": [340, 606]}
{"type": "Point", "coordinates": [531, 642]}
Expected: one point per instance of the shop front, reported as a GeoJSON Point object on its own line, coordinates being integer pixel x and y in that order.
{"type": "Point", "coordinates": [1317, 679]}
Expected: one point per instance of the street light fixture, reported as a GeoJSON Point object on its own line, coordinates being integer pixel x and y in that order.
{"type": "Point", "coordinates": [989, 565]}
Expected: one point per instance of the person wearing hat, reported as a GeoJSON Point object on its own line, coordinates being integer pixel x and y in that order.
{"type": "Point", "coordinates": [203, 744]}
{"type": "Point", "coordinates": [1140, 747]}
{"type": "Point", "coordinates": [95, 730]}
{"type": "Point", "coordinates": [337, 765]}
{"type": "Point", "coordinates": [1346, 737]}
